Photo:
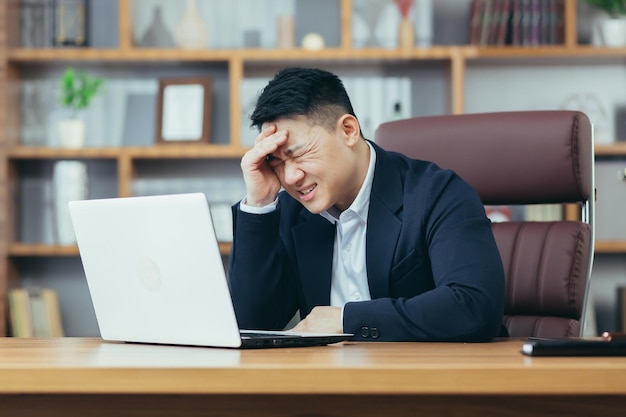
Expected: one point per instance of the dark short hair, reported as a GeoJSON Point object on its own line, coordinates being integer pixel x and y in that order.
{"type": "Point", "coordinates": [317, 94]}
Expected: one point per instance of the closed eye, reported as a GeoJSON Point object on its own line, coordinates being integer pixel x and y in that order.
{"type": "Point", "coordinates": [273, 161]}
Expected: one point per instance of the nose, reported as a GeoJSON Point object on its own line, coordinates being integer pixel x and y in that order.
{"type": "Point", "coordinates": [292, 174]}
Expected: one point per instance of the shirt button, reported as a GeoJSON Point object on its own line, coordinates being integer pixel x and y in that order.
{"type": "Point", "coordinates": [347, 248]}
{"type": "Point", "coordinates": [356, 297]}
{"type": "Point", "coordinates": [365, 332]}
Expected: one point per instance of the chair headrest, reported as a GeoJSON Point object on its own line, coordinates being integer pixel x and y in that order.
{"type": "Point", "coordinates": [523, 157]}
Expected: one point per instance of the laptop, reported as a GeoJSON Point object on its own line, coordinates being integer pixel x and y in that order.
{"type": "Point", "coordinates": [155, 275]}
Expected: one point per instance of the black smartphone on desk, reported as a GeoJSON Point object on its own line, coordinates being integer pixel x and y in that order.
{"type": "Point", "coordinates": [574, 347]}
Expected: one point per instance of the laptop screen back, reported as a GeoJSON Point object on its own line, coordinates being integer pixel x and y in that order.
{"type": "Point", "coordinates": [154, 270]}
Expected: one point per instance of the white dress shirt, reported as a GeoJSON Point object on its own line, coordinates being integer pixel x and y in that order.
{"type": "Point", "coordinates": [349, 279]}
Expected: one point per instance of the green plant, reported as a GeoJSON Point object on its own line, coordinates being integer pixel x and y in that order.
{"type": "Point", "coordinates": [615, 8]}
{"type": "Point", "coordinates": [78, 89]}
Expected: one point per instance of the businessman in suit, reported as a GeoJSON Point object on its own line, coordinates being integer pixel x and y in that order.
{"type": "Point", "coordinates": [355, 238]}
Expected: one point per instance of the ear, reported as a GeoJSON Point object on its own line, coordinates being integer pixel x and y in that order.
{"type": "Point", "coordinates": [350, 129]}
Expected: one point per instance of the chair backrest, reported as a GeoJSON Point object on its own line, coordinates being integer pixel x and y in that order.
{"type": "Point", "coordinates": [520, 158]}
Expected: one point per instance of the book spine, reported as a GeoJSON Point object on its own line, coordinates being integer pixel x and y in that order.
{"type": "Point", "coordinates": [38, 313]}
{"type": "Point", "coordinates": [22, 320]}
{"type": "Point", "coordinates": [475, 21]}
{"type": "Point", "coordinates": [53, 313]}
{"type": "Point", "coordinates": [485, 24]}
{"type": "Point", "coordinates": [621, 308]}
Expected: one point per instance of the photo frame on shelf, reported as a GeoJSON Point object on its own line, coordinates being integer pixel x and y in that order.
{"type": "Point", "coordinates": [70, 23]}
{"type": "Point", "coordinates": [184, 110]}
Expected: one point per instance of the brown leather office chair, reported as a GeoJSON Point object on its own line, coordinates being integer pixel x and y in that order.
{"type": "Point", "coordinates": [520, 158]}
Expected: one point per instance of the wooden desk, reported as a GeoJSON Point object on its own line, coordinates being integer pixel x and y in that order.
{"type": "Point", "coordinates": [88, 377]}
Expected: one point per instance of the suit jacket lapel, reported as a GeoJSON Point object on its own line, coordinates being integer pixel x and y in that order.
{"type": "Point", "coordinates": [383, 224]}
{"type": "Point", "coordinates": [314, 240]}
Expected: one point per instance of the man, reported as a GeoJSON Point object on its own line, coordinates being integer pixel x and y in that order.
{"type": "Point", "coordinates": [359, 240]}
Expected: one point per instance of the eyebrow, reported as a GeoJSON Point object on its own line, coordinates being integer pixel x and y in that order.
{"type": "Point", "coordinates": [289, 151]}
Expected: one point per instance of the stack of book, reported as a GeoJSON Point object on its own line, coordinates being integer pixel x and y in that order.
{"type": "Point", "coordinates": [516, 22]}
{"type": "Point", "coordinates": [34, 312]}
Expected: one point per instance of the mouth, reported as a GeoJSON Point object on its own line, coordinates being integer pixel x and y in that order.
{"type": "Point", "coordinates": [307, 193]}
{"type": "Point", "coordinates": [308, 190]}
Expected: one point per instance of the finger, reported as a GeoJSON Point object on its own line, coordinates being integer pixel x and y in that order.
{"type": "Point", "coordinates": [267, 131]}
{"type": "Point", "coordinates": [267, 146]}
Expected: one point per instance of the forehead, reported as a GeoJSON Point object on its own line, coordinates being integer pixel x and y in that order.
{"type": "Point", "coordinates": [287, 123]}
{"type": "Point", "coordinates": [302, 132]}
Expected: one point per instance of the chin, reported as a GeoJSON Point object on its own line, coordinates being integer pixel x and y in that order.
{"type": "Point", "coordinates": [313, 207]}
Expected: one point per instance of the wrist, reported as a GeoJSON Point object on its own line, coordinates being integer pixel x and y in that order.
{"type": "Point", "coordinates": [245, 206]}
{"type": "Point", "coordinates": [258, 203]}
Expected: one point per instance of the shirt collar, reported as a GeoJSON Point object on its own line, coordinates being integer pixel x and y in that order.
{"type": "Point", "coordinates": [361, 203]}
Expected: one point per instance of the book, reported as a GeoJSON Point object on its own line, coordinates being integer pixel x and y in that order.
{"type": "Point", "coordinates": [516, 23]}
{"type": "Point", "coordinates": [39, 325]}
{"type": "Point", "coordinates": [621, 308]}
{"type": "Point", "coordinates": [574, 347]}
{"type": "Point", "coordinates": [476, 9]}
{"type": "Point", "coordinates": [486, 19]}
{"type": "Point", "coordinates": [34, 312]}
{"type": "Point", "coordinates": [53, 313]}
{"type": "Point", "coordinates": [506, 15]}
{"type": "Point", "coordinates": [19, 310]}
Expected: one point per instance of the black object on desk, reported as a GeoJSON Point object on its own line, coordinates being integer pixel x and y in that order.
{"type": "Point", "coordinates": [574, 347]}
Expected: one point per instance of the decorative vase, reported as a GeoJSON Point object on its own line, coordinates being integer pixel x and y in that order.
{"type": "Point", "coordinates": [406, 32]}
{"type": "Point", "coordinates": [69, 182]}
{"type": "Point", "coordinates": [424, 23]}
{"type": "Point", "coordinates": [71, 133]}
{"type": "Point", "coordinates": [157, 36]}
{"type": "Point", "coordinates": [286, 32]}
{"type": "Point", "coordinates": [191, 32]}
{"type": "Point", "coordinates": [370, 11]}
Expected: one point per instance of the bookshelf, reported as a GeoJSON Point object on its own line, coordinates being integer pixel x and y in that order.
{"type": "Point", "coordinates": [449, 65]}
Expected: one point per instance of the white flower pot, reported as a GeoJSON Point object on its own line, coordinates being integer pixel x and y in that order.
{"type": "Point", "coordinates": [613, 32]}
{"type": "Point", "coordinates": [71, 133]}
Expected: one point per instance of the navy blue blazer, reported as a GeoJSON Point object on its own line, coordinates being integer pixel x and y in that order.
{"type": "Point", "coordinates": [433, 268]}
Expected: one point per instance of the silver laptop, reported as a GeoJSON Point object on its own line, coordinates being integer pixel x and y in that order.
{"type": "Point", "coordinates": [155, 274]}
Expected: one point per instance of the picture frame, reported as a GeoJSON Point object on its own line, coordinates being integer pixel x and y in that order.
{"type": "Point", "coordinates": [184, 110]}
{"type": "Point", "coordinates": [70, 23]}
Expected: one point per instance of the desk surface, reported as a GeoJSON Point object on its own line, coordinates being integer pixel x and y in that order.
{"type": "Point", "coordinates": [91, 366]}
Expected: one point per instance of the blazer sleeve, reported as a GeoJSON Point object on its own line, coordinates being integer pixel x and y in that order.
{"type": "Point", "coordinates": [447, 271]}
{"type": "Point", "coordinates": [260, 277]}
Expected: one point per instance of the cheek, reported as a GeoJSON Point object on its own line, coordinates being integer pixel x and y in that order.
{"type": "Point", "coordinates": [278, 171]}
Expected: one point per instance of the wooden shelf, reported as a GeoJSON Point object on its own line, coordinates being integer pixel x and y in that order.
{"type": "Point", "coordinates": [225, 55]}
{"type": "Point", "coordinates": [20, 55]}
{"type": "Point", "coordinates": [544, 51]}
{"type": "Point", "coordinates": [614, 149]}
{"type": "Point", "coordinates": [40, 250]}
{"type": "Point", "coordinates": [24, 249]}
{"type": "Point", "coordinates": [159, 151]}
{"type": "Point", "coordinates": [611, 246]}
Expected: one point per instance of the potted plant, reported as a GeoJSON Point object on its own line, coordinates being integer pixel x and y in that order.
{"type": "Point", "coordinates": [612, 28]}
{"type": "Point", "coordinates": [77, 90]}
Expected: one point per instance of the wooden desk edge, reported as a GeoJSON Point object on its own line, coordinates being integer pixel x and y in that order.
{"type": "Point", "coordinates": [48, 366]}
